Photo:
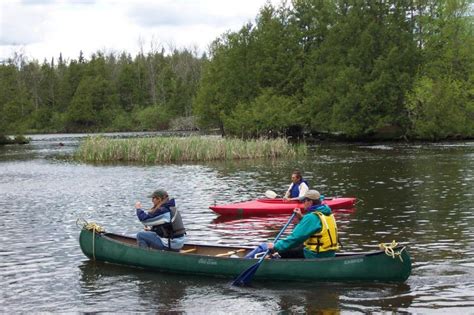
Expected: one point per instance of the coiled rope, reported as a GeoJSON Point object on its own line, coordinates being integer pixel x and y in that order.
{"type": "Point", "coordinates": [389, 249]}
{"type": "Point", "coordinates": [90, 226]}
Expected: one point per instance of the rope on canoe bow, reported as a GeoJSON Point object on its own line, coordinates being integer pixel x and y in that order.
{"type": "Point", "coordinates": [389, 249]}
{"type": "Point", "coordinates": [91, 226]}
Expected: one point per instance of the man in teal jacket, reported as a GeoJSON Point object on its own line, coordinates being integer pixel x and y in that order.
{"type": "Point", "coordinates": [317, 232]}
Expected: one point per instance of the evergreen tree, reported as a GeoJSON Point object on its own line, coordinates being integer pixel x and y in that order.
{"type": "Point", "coordinates": [362, 70]}
{"type": "Point", "coordinates": [441, 103]}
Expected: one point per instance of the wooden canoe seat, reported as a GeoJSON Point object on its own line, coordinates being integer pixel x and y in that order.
{"type": "Point", "coordinates": [184, 251]}
{"type": "Point", "coordinates": [231, 252]}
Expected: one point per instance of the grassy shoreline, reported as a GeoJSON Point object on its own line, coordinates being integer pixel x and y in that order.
{"type": "Point", "coordinates": [180, 149]}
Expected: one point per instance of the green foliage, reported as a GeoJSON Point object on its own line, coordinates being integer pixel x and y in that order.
{"type": "Point", "coordinates": [103, 93]}
{"type": "Point", "coordinates": [152, 118]}
{"type": "Point", "coordinates": [81, 111]}
{"type": "Point", "coordinates": [362, 69]}
{"type": "Point", "coordinates": [122, 121]}
{"type": "Point", "coordinates": [347, 66]}
{"type": "Point", "coordinates": [18, 139]}
{"type": "Point", "coordinates": [268, 115]}
{"type": "Point", "coordinates": [21, 139]}
{"type": "Point", "coordinates": [441, 103]}
{"type": "Point", "coordinates": [227, 80]}
{"type": "Point", "coordinates": [441, 109]}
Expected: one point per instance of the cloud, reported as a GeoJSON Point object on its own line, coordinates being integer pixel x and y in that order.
{"type": "Point", "coordinates": [173, 14]}
{"type": "Point", "coordinates": [192, 12]}
{"type": "Point", "coordinates": [45, 28]}
{"type": "Point", "coordinates": [21, 25]}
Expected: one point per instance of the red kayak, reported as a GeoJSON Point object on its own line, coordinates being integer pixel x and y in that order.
{"type": "Point", "coordinates": [276, 206]}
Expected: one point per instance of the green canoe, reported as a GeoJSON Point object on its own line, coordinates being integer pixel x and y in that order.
{"type": "Point", "coordinates": [226, 261]}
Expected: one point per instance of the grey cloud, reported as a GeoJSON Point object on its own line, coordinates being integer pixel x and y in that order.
{"type": "Point", "coordinates": [156, 14]}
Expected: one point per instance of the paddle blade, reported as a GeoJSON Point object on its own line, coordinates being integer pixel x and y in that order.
{"type": "Point", "coordinates": [271, 194]}
{"type": "Point", "coordinates": [246, 277]}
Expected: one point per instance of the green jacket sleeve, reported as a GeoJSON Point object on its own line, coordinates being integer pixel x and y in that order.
{"type": "Point", "coordinates": [308, 225]}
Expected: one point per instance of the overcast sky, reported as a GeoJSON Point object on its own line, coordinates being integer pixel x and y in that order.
{"type": "Point", "coordinates": [43, 28]}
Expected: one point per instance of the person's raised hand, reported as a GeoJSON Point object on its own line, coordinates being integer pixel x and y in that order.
{"type": "Point", "coordinates": [138, 205]}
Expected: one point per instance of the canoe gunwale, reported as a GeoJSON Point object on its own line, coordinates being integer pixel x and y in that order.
{"type": "Point", "coordinates": [113, 237]}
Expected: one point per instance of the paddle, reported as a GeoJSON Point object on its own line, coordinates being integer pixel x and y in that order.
{"type": "Point", "coordinates": [271, 194]}
{"type": "Point", "coordinates": [245, 277]}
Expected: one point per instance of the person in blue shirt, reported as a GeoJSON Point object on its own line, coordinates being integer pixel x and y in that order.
{"type": "Point", "coordinates": [298, 187]}
{"type": "Point", "coordinates": [315, 236]}
{"type": "Point", "coordinates": [164, 228]}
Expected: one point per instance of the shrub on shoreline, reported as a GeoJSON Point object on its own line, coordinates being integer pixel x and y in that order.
{"type": "Point", "coordinates": [19, 139]}
{"type": "Point", "coordinates": [176, 149]}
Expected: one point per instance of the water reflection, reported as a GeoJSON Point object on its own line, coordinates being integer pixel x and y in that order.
{"type": "Point", "coordinates": [147, 290]}
{"type": "Point", "coordinates": [163, 292]}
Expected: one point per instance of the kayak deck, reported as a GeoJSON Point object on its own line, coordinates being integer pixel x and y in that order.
{"type": "Point", "coordinates": [276, 206]}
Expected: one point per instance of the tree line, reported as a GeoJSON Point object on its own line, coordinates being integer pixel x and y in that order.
{"type": "Point", "coordinates": [103, 93]}
{"type": "Point", "coordinates": [356, 67]}
{"type": "Point", "coordinates": [399, 68]}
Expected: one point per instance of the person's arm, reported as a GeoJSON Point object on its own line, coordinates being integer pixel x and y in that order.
{"type": "Point", "coordinates": [157, 220]}
{"type": "Point", "coordinates": [303, 189]}
{"type": "Point", "coordinates": [287, 194]}
{"type": "Point", "coordinates": [140, 213]}
{"type": "Point", "coordinates": [143, 215]}
{"type": "Point", "coordinates": [309, 225]}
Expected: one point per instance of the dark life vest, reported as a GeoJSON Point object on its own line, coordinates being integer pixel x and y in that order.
{"type": "Point", "coordinates": [173, 229]}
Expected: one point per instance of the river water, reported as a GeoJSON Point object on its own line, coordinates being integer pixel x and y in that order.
{"type": "Point", "coordinates": [421, 195]}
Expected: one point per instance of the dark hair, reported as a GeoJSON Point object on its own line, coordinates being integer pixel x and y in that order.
{"type": "Point", "coordinates": [297, 173]}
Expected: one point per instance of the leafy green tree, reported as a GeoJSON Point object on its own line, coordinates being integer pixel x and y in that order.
{"type": "Point", "coordinates": [81, 111]}
{"type": "Point", "coordinates": [92, 106]}
{"type": "Point", "coordinates": [8, 89]}
{"type": "Point", "coordinates": [152, 118]}
{"type": "Point", "coordinates": [441, 103]}
{"type": "Point", "coordinates": [184, 80]}
{"type": "Point", "coordinates": [228, 80]}
{"type": "Point", "coordinates": [127, 81]}
{"type": "Point", "coordinates": [362, 70]}
{"type": "Point", "coordinates": [269, 115]}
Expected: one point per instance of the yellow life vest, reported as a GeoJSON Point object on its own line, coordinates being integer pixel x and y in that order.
{"type": "Point", "coordinates": [326, 239]}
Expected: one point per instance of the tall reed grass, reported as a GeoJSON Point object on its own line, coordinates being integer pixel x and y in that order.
{"type": "Point", "coordinates": [176, 149]}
